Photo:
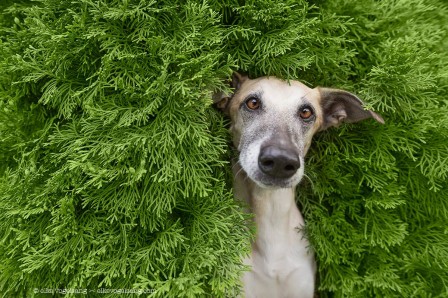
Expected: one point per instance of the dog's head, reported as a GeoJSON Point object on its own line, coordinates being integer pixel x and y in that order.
{"type": "Point", "coordinates": [273, 122]}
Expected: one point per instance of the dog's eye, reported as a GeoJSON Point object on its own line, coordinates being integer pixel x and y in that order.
{"type": "Point", "coordinates": [253, 103]}
{"type": "Point", "coordinates": [306, 113]}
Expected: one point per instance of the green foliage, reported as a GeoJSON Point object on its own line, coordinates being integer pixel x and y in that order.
{"type": "Point", "coordinates": [114, 169]}
{"type": "Point", "coordinates": [114, 163]}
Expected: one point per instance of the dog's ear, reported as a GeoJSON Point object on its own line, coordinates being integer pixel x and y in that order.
{"type": "Point", "coordinates": [237, 80]}
{"type": "Point", "coordinates": [341, 106]}
{"type": "Point", "coordinates": [222, 99]}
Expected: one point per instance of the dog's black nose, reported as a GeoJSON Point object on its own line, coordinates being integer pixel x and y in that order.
{"type": "Point", "coordinates": [278, 162]}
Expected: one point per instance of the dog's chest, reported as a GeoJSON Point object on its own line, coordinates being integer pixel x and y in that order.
{"type": "Point", "coordinates": [280, 257]}
{"type": "Point", "coordinates": [281, 263]}
{"type": "Point", "coordinates": [281, 267]}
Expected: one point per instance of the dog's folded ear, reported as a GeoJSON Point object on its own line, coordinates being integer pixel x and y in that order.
{"type": "Point", "coordinates": [222, 99]}
{"type": "Point", "coordinates": [341, 106]}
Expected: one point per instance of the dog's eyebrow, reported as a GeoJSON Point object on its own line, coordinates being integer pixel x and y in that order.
{"type": "Point", "coordinates": [258, 94]}
{"type": "Point", "coordinates": [305, 101]}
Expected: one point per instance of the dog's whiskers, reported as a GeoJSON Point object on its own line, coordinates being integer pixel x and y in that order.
{"type": "Point", "coordinates": [310, 180]}
{"type": "Point", "coordinates": [239, 171]}
{"type": "Point", "coordinates": [234, 165]}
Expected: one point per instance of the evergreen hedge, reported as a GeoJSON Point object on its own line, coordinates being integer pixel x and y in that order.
{"type": "Point", "coordinates": [114, 169]}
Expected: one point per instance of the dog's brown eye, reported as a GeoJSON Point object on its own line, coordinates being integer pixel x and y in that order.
{"type": "Point", "coordinates": [253, 103]}
{"type": "Point", "coordinates": [306, 113]}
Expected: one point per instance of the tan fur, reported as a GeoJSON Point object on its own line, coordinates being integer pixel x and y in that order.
{"type": "Point", "coordinates": [282, 263]}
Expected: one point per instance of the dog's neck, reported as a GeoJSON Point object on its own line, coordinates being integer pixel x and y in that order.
{"type": "Point", "coordinates": [275, 212]}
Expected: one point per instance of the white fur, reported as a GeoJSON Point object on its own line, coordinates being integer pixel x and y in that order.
{"type": "Point", "coordinates": [282, 264]}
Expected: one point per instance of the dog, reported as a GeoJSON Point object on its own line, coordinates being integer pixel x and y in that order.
{"type": "Point", "coordinates": [272, 124]}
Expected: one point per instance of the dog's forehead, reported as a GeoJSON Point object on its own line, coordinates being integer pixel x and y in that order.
{"type": "Point", "coordinates": [278, 94]}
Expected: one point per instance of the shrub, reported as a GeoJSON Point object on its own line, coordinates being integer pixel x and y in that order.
{"type": "Point", "coordinates": [114, 169]}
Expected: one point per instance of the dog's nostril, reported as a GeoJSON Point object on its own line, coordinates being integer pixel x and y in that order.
{"type": "Point", "coordinates": [267, 163]}
{"type": "Point", "coordinates": [290, 168]}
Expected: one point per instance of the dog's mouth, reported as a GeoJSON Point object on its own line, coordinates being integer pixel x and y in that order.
{"type": "Point", "coordinates": [270, 182]}
{"type": "Point", "coordinates": [267, 181]}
